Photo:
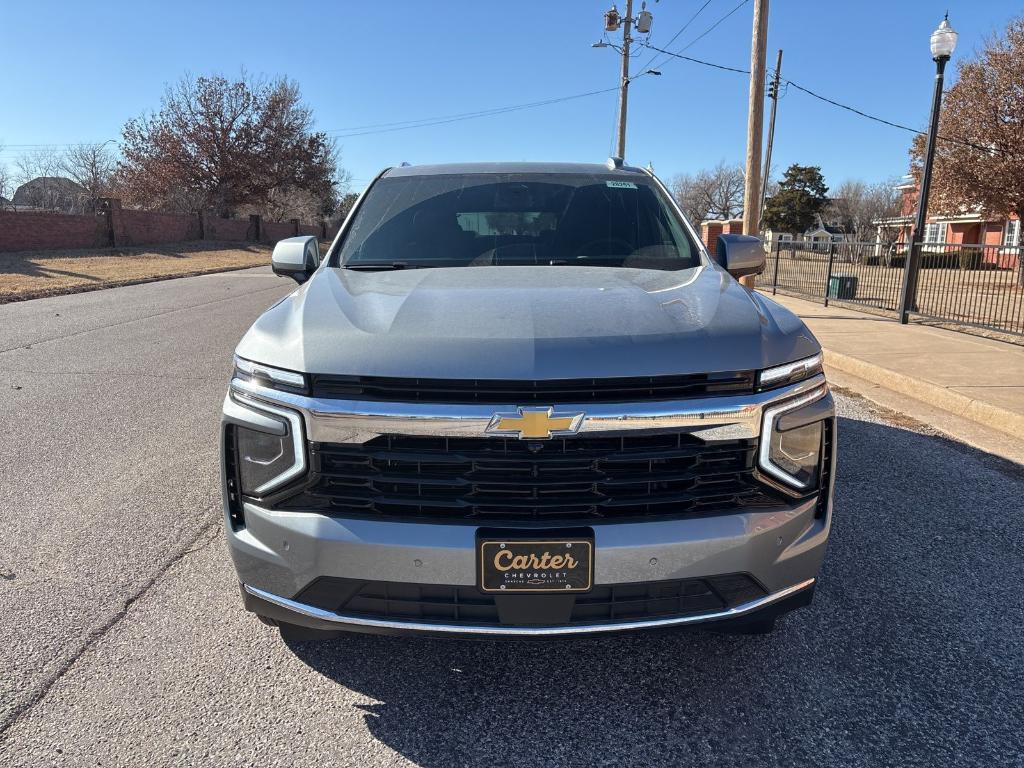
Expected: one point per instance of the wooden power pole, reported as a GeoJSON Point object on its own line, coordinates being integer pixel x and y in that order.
{"type": "Point", "coordinates": [773, 94]}
{"type": "Point", "coordinates": [755, 126]}
{"type": "Point", "coordinates": [620, 144]}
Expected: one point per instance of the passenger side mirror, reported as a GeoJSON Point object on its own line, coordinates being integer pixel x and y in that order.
{"type": "Point", "coordinates": [296, 257]}
{"type": "Point", "coordinates": [740, 254]}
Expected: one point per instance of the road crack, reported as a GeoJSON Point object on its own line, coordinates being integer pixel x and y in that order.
{"type": "Point", "coordinates": [203, 537]}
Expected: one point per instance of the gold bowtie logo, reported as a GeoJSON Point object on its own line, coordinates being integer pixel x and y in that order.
{"type": "Point", "coordinates": [535, 423]}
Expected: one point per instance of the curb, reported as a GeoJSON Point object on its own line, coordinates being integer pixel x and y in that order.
{"type": "Point", "coordinates": [940, 397]}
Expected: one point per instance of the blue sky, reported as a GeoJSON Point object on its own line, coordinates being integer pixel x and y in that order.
{"type": "Point", "coordinates": [398, 60]}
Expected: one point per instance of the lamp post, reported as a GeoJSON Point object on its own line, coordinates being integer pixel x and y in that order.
{"type": "Point", "coordinates": [943, 42]}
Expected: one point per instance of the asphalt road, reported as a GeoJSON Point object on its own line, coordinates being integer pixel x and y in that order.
{"type": "Point", "coordinates": [123, 642]}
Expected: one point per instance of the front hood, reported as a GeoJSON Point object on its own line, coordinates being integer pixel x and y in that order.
{"type": "Point", "coordinates": [527, 323]}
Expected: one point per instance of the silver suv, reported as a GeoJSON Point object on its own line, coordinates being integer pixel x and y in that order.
{"type": "Point", "coordinates": [524, 400]}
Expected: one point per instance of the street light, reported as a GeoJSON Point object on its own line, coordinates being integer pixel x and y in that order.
{"type": "Point", "coordinates": [943, 43]}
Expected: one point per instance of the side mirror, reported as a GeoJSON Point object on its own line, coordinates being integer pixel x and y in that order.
{"type": "Point", "coordinates": [296, 257]}
{"type": "Point", "coordinates": [740, 254]}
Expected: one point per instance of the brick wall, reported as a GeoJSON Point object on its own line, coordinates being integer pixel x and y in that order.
{"type": "Point", "coordinates": [277, 230]}
{"type": "Point", "coordinates": [215, 228]}
{"type": "Point", "coordinates": [710, 230]}
{"type": "Point", "coordinates": [146, 228]}
{"type": "Point", "coordinates": [25, 231]}
{"type": "Point", "coordinates": [43, 230]}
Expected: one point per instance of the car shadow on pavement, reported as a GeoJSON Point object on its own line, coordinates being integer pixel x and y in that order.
{"type": "Point", "coordinates": [911, 652]}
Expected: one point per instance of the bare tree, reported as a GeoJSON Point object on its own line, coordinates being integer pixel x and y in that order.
{"type": "Point", "coordinates": [286, 203]}
{"type": "Point", "coordinates": [711, 193]}
{"type": "Point", "coordinates": [40, 166]}
{"type": "Point", "coordinates": [5, 182]}
{"type": "Point", "coordinates": [345, 203]}
{"type": "Point", "coordinates": [222, 144]}
{"type": "Point", "coordinates": [857, 206]}
{"type": "Point", "coordinates": [92, 167]}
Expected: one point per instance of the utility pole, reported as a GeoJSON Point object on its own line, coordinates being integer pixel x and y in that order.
{"type": "Point", "coordinates": [612, 22]}
{"type": "Point", "coordinates": [755, 126]}
{"type": "Point", "coordinates": [620, 150]}
{"type": "Point", "coordinates": [773, 94]}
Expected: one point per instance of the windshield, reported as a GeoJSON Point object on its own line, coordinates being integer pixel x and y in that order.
{"type": "Point", "coordinates": [516, 219]}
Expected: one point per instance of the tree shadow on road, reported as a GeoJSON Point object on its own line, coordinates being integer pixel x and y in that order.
{"type": "Point", "coordinates": [911, 652]}
{"type": "Point", "coordinates": [36, 263]}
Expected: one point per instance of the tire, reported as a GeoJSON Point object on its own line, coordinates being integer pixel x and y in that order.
{"type": "Point", "coordinates": [294, 633]}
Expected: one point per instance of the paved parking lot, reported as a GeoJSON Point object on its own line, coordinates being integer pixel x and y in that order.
{"type": "Point", "coordinates": [123, 642]}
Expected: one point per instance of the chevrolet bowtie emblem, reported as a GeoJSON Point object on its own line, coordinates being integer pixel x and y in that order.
{"type": "Point", "coordinates": [535, 423]}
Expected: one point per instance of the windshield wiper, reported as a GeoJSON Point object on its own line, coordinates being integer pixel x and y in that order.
{"type": "Point", "coordinates": [372, 265]}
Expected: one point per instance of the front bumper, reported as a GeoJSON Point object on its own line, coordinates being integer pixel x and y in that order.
{"type": "Point", "coordinates": [282, 609]}
{"type": "Point", "coordinates": [278, 554]}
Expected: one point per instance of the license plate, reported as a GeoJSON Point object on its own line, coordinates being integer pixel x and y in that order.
{"type": "Point", "coordinates": [559, 565]}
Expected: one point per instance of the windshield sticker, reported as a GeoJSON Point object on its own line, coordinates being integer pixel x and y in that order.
{"type": "Point", "coordinates": [621, 184]}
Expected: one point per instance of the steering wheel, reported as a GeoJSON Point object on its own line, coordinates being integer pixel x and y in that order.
{"type": "Point", "coordinates": [581, 252]}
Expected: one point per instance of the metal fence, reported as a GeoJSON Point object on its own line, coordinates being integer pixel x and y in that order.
{"type": "Point", "coordinates": [960, 284]}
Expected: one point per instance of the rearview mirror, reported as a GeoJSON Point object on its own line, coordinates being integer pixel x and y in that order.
{"type": "Point", "coordinates": [296, 257]}
{"type": "Point", "coordinates": [740, 254]}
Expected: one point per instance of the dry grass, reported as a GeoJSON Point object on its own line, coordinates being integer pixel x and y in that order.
{"type": "Point", "coordinates": [31, 274]}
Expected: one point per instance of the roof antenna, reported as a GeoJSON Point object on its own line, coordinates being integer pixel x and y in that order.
{"type": "Point", "coordinates": [614, 163]}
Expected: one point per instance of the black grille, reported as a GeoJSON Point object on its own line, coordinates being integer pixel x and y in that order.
{"type": "Point", "coordinates": [668, 474]}
{"type": "Point", "coordinates": [496, 391]}
{"type": "Point", "coordinates": [467, 605]}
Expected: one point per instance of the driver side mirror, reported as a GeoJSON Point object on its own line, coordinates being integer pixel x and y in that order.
{"type": "Point", "coordinates": [296, 257]}
{"type": "Point", "coordinates": [740, 254]}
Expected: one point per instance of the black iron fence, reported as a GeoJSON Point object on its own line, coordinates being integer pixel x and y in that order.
{"type": "Point", "coordinates": [960, 284]}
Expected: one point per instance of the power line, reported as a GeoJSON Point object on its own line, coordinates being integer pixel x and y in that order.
{"type": "Point", "coordinates": [677, 34]}
{"type": "Point", "coordinates": [709, 29]}
{"type": "Point", "coordinates": [700, 61]}
{"type": "Point", "coordinates": [377, 128]}
{"type": "Point", "coordinates": [833, 102]}
{"type": "Point", "coordinates": [27, 147]}
{"type": "Point", "coordinates": [427, 122]}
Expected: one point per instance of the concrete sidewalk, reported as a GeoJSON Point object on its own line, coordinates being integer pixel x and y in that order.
{"type": "Point", "coordinates": [969, 376]}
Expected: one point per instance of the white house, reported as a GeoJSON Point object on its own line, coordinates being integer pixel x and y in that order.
{"type": "Point", "coordinates": [818, 235]}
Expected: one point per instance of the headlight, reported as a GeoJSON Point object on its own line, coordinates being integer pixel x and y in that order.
{"type": "Point", "coordinates": [268, 376]}
{"type": "Point", "coordinates": [792, 455]}
{"type": "Point", "coordinates": [790, 372]}
{"type": "Point", "coordinates": [272, 454]}
{"type": "Point", "coordinates": [797, 453]}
